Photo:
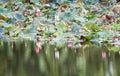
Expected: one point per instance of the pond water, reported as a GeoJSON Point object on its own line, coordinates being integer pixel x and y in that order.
{"type": "Point", "coordinates": [19, 58]}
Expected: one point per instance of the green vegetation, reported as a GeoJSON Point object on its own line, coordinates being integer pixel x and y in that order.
{"type": "Point", "coordinates": [70, 21]}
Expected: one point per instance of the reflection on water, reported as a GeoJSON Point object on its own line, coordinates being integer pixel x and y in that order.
{"type": "Point", "coordinates": [19, 58]}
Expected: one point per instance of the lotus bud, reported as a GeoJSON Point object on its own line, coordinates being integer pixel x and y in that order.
{"type": "Point", "coordinates": [69, 29]}
{"type": "Point", "coordinates": [37, 10]}
{"type": "Point", "coordinates": [36, 14]}
{"type": "Point", "coordinates": [103, 16]}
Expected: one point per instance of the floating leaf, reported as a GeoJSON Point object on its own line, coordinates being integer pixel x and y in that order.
{"type": "Point", "coordinates": [29, 7]}
{"type": "Point", "coordinates": [60, 27]}
{"type": "Point", "coordinates": [88, 2]}
{"type": "Point", "coordinates": [3, 17]}
{"type": "Point", "coordinates": [87, 37]}
{"type": "Point", "coordinates": [89, 16]}
{"type": "Point", "coordinates": [35, 1]}
{"type": "Point", "coordinates": [2, 30]}
{"type": "Point", "coordinates": [115, 26]}
{"type": "Point", "coordinates": [4, 10]}
{"type": "Point", "coordinates": [93, 27]}
{"type": "Point", "coordinates": [101, 37]}
{"type": "Point", "coordinates": [19, 16]}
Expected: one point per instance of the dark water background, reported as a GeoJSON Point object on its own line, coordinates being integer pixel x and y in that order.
{"type": "Point", "coordinates": [18, 58]}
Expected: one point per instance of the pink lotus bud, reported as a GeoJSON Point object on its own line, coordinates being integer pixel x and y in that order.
{"type": "Point", "coordinates": [69, 45]}
{"type": "Point", "coordinates": [103, 55]}
{"type": "Point", "coordinates": [115, 39]}
{"type": "Point", "coordinates": [52, 36]}
{"type": "Point", "coordinates": [38, 28]}
{"type": "Point", "coordinates": [36, 14]}
{"type": "Point", "coordinates": [37, 10]}
{"type": "Point", "coordinates": [69, 29]}
{"type": "Point", "coordinates": [80, 30]}
{"type": "Point", "coordinates": [104, 16]}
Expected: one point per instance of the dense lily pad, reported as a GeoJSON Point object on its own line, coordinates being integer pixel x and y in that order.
{"type": "Point", "coordinates": [64, 20]}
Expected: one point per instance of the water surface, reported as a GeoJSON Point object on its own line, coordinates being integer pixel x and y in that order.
{"type": "Point", "coordinates": [19, 58]}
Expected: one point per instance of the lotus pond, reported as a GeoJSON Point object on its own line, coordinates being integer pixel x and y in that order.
{"type": "Point", "coordinates": [59, 39]}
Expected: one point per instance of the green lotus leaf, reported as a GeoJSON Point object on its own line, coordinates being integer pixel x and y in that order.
{"type": "Point", "coordinates": [35, 1]}
{"type": "Point", "coordinates": [29, 7]}
{"type": "Point", "coordinates": [2, 30]}
{"type": "Point", "coordinates": [4, 10]}
{"type": "Point", "coordinates": [115, 26]}
{"type": "Point", "coordinates": [3, 17]}
{"type": "Point", "coordinates": [19, 16]}
{"type": "Point", "coordinates": [113, 48]}
{"type": "Point", "coordinates": [89, 16]}
{"type": "Point", "coordinates": [92, 27]}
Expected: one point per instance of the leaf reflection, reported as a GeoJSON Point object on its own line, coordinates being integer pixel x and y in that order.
{"type": "Point", "coordinates": [38, 45]}
{"type": "Point", "coordinates": [22, 60]}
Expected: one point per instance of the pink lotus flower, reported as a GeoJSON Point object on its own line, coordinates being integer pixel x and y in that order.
{"type": "Point", "coordinates": [69, 29]}
{"type": "Point", "coordinates": [69, 45]}
{"type": "Point", "coordinates": [80, 30]}
{"type": "Point", "coordinates": [38, 28]}
{"type": "Point", "coordinates": [36, 14]}
{"type": "Point", "coordinates": [115, 39]}
{"type": "Point", "coordinates": [37, 10]}
{"type": "Point", "coordinates": [103, 16]}
{"type": "Point", "coordinates": [52, 36]}
{"type": "Point", "coordinates": [37, 50]}
{"type": "Point", "coordinates": [103, 55]}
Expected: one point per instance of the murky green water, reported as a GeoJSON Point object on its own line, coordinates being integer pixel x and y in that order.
{"type": "Point", "coordinates": [18, 58]}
